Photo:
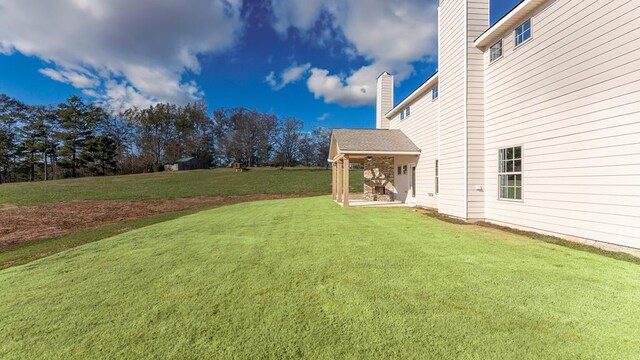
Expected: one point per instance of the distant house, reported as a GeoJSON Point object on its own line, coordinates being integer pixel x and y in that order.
{"type": "Point", "coordinates": [532, 123]}
{"type": "Point", "coordinates": [187, 163]}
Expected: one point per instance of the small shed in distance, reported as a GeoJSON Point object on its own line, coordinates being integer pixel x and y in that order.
{"type": "Point", "coordinates": [187, 163]}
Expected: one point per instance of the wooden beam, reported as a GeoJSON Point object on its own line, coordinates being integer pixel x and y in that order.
{"type": "Point", "coordinates": [345, 200]}
{"type": "Point", "coordinates": [333, 180]}
{"type": "Point", "coordinates": [339, 181]}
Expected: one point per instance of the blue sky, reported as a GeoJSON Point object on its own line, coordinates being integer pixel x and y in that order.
{"type": "Point", "coordinates": [313, 59]}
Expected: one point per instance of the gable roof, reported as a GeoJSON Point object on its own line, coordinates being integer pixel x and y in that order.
{"type": "Point", "coordinates": [185, 159]}
{"type": "Point", "coordinates": [371, 141]}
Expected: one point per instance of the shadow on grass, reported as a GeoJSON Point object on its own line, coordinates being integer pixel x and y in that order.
{"type": "Point", "coordinates": [618, 255]}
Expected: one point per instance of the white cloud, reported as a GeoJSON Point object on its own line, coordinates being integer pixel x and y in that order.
{"type": "Point", "coordinates": [323, 117]}
{"type": "Point", "coordinates": [138, 50]}
{"type": "Point", "coordinates": [390, 35]}
{"type": "Point", "coordinates": [289, 75]}
{"type": "Point", "coordinates": [76, 79]}
{"type": "Point", "coordinates": [335, 90]}
{"type": "Point", "coordinates": [5, 48]}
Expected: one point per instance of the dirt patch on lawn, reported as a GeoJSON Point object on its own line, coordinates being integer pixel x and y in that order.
{"type": "Point", "coordinates": [24, 224]}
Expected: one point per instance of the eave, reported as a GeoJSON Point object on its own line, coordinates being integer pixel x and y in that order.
{"type": "Point", "coordinates": [512, 19]}
{"type": "Point", "coordinates": [428, 84]}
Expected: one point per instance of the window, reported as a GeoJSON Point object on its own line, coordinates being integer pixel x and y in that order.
{"type": "Point", "coordinates": [510, 173]}
{"type": "Point", "coordinates": [523, 32]}
{"type": "Point", "coordinates": [405, 113]}
{"type": "Point", "coordinates": [404, 170]}
{"type": "Point", "coordinates": [496, 51]}
{"type": "Point", "coordinates": [434, 93]}
{"type": "Point", "coordinates": [399, 170]}
{"type": "Point", "coordinates": [437, 178]}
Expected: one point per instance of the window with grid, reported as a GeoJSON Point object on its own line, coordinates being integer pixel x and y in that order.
{"type": "Point", "coordinates": [523, 32]}
{"type": "Point", "coordinates": [434, 93]}
{"type": "Point", "coordinates": [496, 51]}
{"type": "Point", "coordinates": [510, 173]}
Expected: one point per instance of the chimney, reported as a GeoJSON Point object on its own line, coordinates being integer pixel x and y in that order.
{"type": "Point", "coordinates": [384, 99]}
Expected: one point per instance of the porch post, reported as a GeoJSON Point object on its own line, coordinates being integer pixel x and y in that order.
{"type": "Point", "coordinates": [339, 181]}
{"type": "Point", "coordinates": [345, 200]}
{"type": "Point", "coordinates": [333, 179]}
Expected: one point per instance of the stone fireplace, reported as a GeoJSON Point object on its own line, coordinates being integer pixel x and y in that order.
{"type": "Point", "coordinates": [378, 178]}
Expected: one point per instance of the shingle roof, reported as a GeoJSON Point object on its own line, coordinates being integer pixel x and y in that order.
{"type": "Point", "coordinates": [375, 140]}
{"type": "Point", "coordinates": [185, 159]}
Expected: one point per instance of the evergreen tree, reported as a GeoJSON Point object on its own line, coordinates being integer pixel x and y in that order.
{"type": "Point", "coordinates": [76, 121]}
{"type": "Point", "coordinates": [34, 139]}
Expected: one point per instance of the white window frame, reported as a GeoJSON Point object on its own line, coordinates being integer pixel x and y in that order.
{"type": "Point", "coordinates": [530, 29]}
{"type": "Point", "coordinates": [505, 171]}
{"type": "Point", "coordinates": [434, 93]}
{"type": "Point", "coordinates": [405, 113]}
{"type": "Point", "coordinates": [491, 51]}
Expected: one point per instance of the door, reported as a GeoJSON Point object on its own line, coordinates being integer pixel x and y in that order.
{"type": "Point", "coordinates": [412, 184]}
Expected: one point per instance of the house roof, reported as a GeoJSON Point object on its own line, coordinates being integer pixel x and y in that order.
{"type": "Point", "coordinates": [428, 84]}
{"type": "Point", "coordinates": [371, 141]}
{"type": "Point", "coordinates": [185, 159]}
{"type": "Point", "coordinates": [512, 19]}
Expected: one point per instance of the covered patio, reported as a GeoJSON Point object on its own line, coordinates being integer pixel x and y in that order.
{"type": "Point", "coordinates": [381, 151]}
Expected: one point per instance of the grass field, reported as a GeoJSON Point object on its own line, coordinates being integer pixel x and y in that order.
{"type": "Point", "coordinates": [168, 185]}
{"type": "Point", "coordinates": [171, 185]}
{"type": "Point", "coordinates": [306, 278]}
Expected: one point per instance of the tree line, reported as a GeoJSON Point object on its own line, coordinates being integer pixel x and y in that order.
{"type": "Point", "coordinates": [76, 138]}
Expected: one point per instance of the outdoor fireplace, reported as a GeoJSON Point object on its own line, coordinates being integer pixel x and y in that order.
{"type": "Point", "coordinates": [378, 179]}
{"type": "Point", "coordinates": [379, 190]}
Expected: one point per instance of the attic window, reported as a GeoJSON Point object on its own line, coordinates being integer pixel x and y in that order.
{"type": "Point", "coordinates": [523, 32]}
{"type": "Point", "coordinates": [405, 113]}
{"type": "Point", "coordinates": [496, 51]}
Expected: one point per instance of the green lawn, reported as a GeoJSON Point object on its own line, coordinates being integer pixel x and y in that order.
{"type": "Point", "coordinates": [171, 185]}
{"type": "Point", "coordinates": [306, 278]}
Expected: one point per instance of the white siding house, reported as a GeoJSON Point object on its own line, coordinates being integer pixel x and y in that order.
{"type": "Point", "coordinates": [534, 122]}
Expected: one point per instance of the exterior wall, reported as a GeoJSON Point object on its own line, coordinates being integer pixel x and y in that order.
{"type": "Point", "coordinates": [384, 99]}
{"type": "Point", "coordinates": [569, 96]}
{"type": "Point", "coordinates": [422, 128]}
{"type": "Point", "coordinates": [379, 171]}
{"type": "Point", "coordinates": [453, 42]}
{"type": "Point", "coordinates": [401, 181]}
{"type": "Point", "coordinates": [477, 23]}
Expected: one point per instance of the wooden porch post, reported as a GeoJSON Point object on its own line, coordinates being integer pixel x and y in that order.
{"type": "Point", "coordinates": [339, 181]}
{"type": "Point", "coordinates": [345, 200]}
{"type": "Point", "coordinates": [333, 179]}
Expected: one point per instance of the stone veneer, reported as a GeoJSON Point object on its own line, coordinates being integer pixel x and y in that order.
{"type": "Point", "coordinates": [379, 172]}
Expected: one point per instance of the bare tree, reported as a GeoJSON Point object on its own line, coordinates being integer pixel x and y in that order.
{"type": "Point", "coordinates": [289, 141]}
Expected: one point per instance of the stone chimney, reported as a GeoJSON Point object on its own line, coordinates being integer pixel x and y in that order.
{"type": "Point", "coordinates": [384, 99]}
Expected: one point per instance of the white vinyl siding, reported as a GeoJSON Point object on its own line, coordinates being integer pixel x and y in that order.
{"type": "Point", "coordinates": [572, 99]}
{"type": "Point", "coordinates": [453, 42]}
{"type": "Point", "coordinates": [423, 131]}
{"type": "Point", "coordinates": [478, 22]}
